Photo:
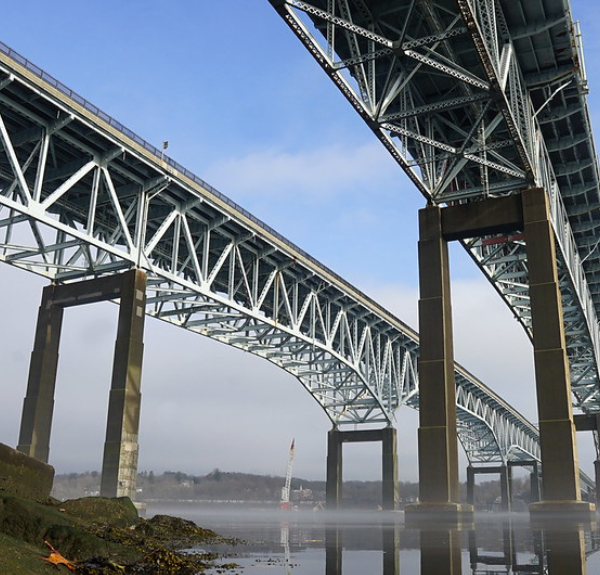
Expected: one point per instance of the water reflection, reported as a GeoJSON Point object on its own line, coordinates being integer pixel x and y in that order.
{"type": "Point", "coordinates": [494, 546]}
{"type": "Point", "coordinates": [390, 544]}
{"type": "Point", "coordinates": [382, 544]}
{"type": "Point", "coordinates": [515, 547]}
{"type": "Point", "coordinates": [390, 538]}
{"type": "Point", "coordinates": [565, 551]}
{"type": "Point", "coordinates": [440, 551]}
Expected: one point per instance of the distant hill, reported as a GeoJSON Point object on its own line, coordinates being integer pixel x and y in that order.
{"type": "Point", "coordinates": [246, 487]}
{"type": "Point", "coordinates": [225, 486]}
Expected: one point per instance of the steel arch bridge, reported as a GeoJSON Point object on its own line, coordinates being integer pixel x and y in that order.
{"type": "Point", "coordinates": [473, 99]}
{"type": "Point", "coordinates": [81, 196]}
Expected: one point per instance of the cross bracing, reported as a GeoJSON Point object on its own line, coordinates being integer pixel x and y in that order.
{"type": "Point", "coordinates": [81, 196]}
{"type": "Point", "coordinates": [474, 99]}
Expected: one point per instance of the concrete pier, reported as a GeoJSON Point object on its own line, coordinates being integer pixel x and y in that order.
{"type": "Point", "coordinates": [438, 442]}
{"type": "Point", "coordinates": [389, 463]}
{"type": "Point", "coordinates": [121, 447]}
{"type": "Point", "coordinates": [527, 212]}
{"type": "Point", "coordinates": [553, 381]}
{"type": "Point", "coordinates": [590, 422]}
{"type": "Point", "coordinates": [119, 469]}
{"type": "Point", "coordinates": [505, 487]}
{"type": "Point", "coordinates": [534, 477]}
{"type": "Point", "coordinates": [38, 407]}
{"type": "Point", "coordinates": [506, 477]}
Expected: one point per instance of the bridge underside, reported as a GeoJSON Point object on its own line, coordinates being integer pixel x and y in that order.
{"type": "Point", "coordinates": [83, 197]}
{"type": "Point", "coordinates": [477, 100]}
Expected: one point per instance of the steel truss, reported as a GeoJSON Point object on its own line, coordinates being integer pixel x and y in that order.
{"type": "Point", "coordinates": [442, 85]}
{"type": "Point", "coordinates": [81, 197]}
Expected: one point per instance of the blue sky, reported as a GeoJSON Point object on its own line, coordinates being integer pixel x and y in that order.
{"type": "Point", "coordinates": [244, 106]}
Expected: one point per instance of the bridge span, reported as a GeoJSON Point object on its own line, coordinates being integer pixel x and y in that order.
{"type": "Point", "coordinates": [479, 101]}
{"type": "Point", "coordinates": [83, 200]}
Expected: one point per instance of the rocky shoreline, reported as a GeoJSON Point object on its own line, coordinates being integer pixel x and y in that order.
{"type": "Point", "coordinates": [100, 536]}
{"type": "Point", "coordinates": [92, 535]}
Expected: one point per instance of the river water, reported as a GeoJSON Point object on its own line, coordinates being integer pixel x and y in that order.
{"type": "Point", "coordinates": [381, 543]}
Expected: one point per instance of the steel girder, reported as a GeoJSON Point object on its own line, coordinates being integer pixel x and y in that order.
{"type": "Point", "coordinates": [81, 196]}
{"type": "Point", "coordinates": [441, 84]}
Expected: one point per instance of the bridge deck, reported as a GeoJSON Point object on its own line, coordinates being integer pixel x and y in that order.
{"type": "Point", "coordinates": [480, 99]}
{"type": "Point", "coordinates": [81, 196]}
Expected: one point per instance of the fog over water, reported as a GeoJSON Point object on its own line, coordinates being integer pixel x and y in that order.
{"type": "Point", "coordinates": [308, 542]}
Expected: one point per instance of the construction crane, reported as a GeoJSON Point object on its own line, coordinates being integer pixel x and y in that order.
{"type": "Point", "coordinates": [285, 491]}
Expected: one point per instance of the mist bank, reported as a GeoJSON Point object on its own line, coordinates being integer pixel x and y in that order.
{"type": "Point", "coordinates": [237, 487]}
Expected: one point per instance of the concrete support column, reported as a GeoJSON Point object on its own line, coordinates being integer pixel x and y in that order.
{"type": "Point", "coordinates": [121, 447]}
{"type": "Point", "coordinates": [438, 453]}
{"type": "Point", "coordinates": [535, 484]}
{"type": "Point", "coordinates": [505, 498]}
{"type": "Point", "coordinates": [334, 470]}
{"type": "Point", "coordinates": [438, 449]}
{"type": "Point", "coordinates": [389, 468]}
{"type": "Point", "coordinates": [505, 482]}
{"type": "Point", "coordinates": [597, 479]}
{"type": "Point", "coordinates": [38, 407]}
{"type": "Point", "coordinates": [389, 463]}
{"type": "Point", "coordinates": [553, 384]}
{"type": "Point", "coordinates": [471, 485]}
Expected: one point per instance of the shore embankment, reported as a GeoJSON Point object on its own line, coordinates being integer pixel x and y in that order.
{"type": "Point", "coordinates": [91, 535]}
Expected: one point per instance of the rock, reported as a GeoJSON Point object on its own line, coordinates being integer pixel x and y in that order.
{"type": "Point", "coordinates": [34, 523]}
{"type": "Point", "coordinates": [119, 512]}
{"type": "Point", "coordinates": [27, 520]}
{"type": "Point", "coordinates": [101, 537]}
{"type": "Point", "coordinates": [23, 476]}
{"type": "Point", "coordinates": [176, 532]}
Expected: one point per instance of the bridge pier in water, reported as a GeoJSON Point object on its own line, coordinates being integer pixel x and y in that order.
{"type": "Point", "coordinates": [389, 463]}
{"type": "Point", "coordinates": [591, 422]}
{"type": "Point", "coordinates": [438, 477]}
{"type": "Point", "coordinates": [505, 483]}
{"type": "Point", "coordinates": [534, 478]}
{"type": "Point", "coordinates": [438, 441]}
{"type": "Point", "coordinates": [121, 446]}
{"type": "Point", "coordinates": [561, 489]}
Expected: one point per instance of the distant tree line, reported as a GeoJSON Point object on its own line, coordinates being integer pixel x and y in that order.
{"type": "Point", "coordinates": [233, 486]}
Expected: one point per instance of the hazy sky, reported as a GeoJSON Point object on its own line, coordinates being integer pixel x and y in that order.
{"type": "Point", "coordinates": [244, 106]}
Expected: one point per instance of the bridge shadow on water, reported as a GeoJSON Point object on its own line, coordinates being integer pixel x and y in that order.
{"type": "Point", "coordinates": [374, 543]}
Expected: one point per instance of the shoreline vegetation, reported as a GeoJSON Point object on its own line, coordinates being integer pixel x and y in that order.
{"type": "Point", "coordinates": [100, 536]}
{"type": "Point", "coordinates": [220, 487]}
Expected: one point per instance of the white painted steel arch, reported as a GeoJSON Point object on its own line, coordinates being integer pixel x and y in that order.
{"type": "Point", "coordinates": [81, 196]}
{"type": "Point", "coordinates": [474, 98]}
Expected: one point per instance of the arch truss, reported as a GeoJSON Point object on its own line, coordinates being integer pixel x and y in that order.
{"type": "Point", "coordinates": [81, 196]}
{"type": "Point", "coordinates": [474, 99]}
